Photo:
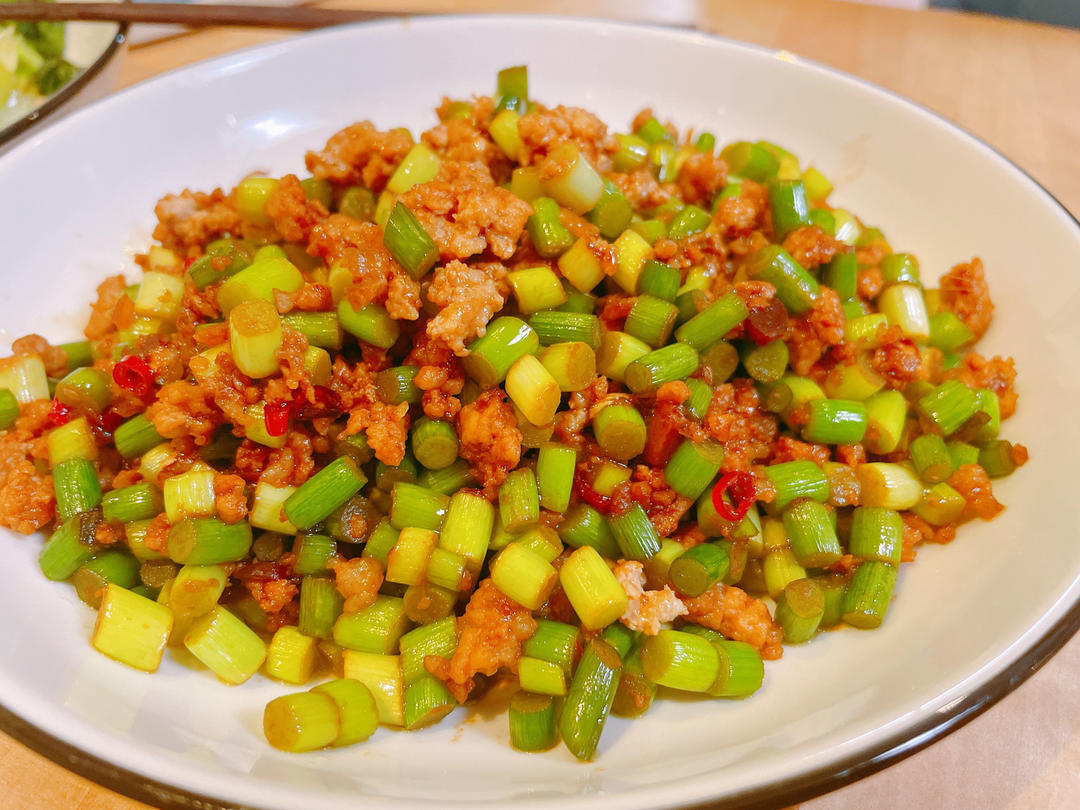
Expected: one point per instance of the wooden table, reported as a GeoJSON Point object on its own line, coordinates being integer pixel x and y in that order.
{"type": "Point", "coordinates": [1015, 85]}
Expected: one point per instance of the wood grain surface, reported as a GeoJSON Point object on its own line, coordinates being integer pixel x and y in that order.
{"type": "Point", "coordinates": [1015, 85]}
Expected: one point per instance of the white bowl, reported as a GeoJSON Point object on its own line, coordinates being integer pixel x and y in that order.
{"type": "Point", "coordinates": [968, 621]}
{"type": "Point", "coordinates": [94, 48]}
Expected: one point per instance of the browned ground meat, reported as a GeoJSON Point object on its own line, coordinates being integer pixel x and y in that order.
{"type": "Point", "coordinates": [168, 362]}
{"type": "Point", "coordinates": [844, 489]}
{"type": "Point", "coordinates": [897, 359]}
{"type": "Point", "coordinates": [273, 595]}
{"type": "Point", "coordinates": [757, 295]}
{"type": "Point", "coordinates": [314, 297]}
{"type": "Point", "coordinates": [386, 426]}
{"type": "Point", "coordinates": [199, 305]}
{"type": "Point", "coordinates": [918, 531]}
{"type": "Point", "coordinates": [54, 358]}
{"type": "Point", "coordinates": [641, 188]}
{"type": "Point", "coordinates": [102, 321]}
{"type": "Point", "coordinates": [739, 216]}
{"type": "Point", "coordinates": [290, 465]}
{"type": "Point", "coordinates": [850, 454]}
{"type": "Point", "coordinates": [811, 335]}
{"type": "Point", "coordinates": [972, 482]}
{"type": "Point", "coordinates": [431, 377]}
{"type": "Point", "coordinates": [403, 297]}
{"type": "Point", "coordinates": [738, 616]}
{"type": "Point", "coordinates": [293, 214]}
{"type": "Point", "coordinates": [230, 500]}
{"type": "Point", "coordinates": [360, 154]}
{"type": "Point", "coordinates": [157, 534]}
{"type": "Point", "coordinates": [440, 405]}
{"type": "Point", "coordinates": [466, 213]}
{"type": "Point", "coordinates": [489, 437]}
{"type": "Point", "coordinates": [543, 130]}
{"type": "Point", "coordinates": [358, 246]}
{"type": "Point", "coordinates": [491, 634]}
{"type": "Point", "coordinates": [613, 310]}
{"type": "Point", "coordinates": [569, 423]}
{"type": "Point", "coordinates": [482, 108]}
{"type": "Point", "coordinates": [810, 246]}
{"type": "Point", "coordinates": [441, 384]}
{"type": "Point", "coordinates": [250, 460]}
{"type": "Point", "coordinates": [191, 219]}
{"type": "Point", "coordinates": [461, 140]}
{"type": "Point", "coordinates": [439, 376]}
{"type": "Point", "coordinates": [294, 379]}
{"type": "Point", "coordinates": [358, 580]}
{"type": "Point", "coordinates": [789, 449]}
{"type": "Point", "coordinates": [664, 506]}
{"type": "Point", "coordinates": [736, 215]}
{"type": "Point", "coordinates": [870, 282]}
{"type": "Point", "coordinates": [736, 418]}
{"type": "Point", "coordinates": [184, 408]}
{"type": "Point", "coordinates": [706, 250]}
{"type": "Point", "coordinates": [125, 478]}
{"type": "Point", "coordinates": [108, 534]}
{"type": "Point", "coordinates": [643, 117]}
{"type": "Point", "coordinates": [872, 254]}
{"type": "Point", "coordinates": [468, 297]}
{"type": "Point", "coordinates": [26, 493]}
{"type": "Point", "coordinates": [701, 175]}
{"type": "Point", "coordinates": [964, 291]}
{"type": "Point", "coordinates": [998, 374]}
{"type": "Point", "coordinates": [230, 390]}
{"type": "Point", "coordinates": [648, 609]}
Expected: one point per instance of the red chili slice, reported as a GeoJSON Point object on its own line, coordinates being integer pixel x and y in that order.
{"type": "Point", "coordinates": [740, 487]}
{"type": "Point", "coordinates": [60, 414]}
{"type": "Point", "coordinates": [276, 417]}
{"type": "Point", "coordinates": [584, 475]}
{"type": "Point", "coordinates": [601, 503]}
{"type": "Point", "coordinates": [133, 374]}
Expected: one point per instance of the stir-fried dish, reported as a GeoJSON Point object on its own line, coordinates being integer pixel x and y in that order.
{"type": "Point", "coordinates": [607, 414]}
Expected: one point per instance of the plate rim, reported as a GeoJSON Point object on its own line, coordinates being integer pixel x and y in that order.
{"type": "Point", "coordinates": [870, 758]}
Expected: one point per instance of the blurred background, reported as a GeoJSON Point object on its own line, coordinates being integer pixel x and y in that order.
{"type": "Point", "coordinates": [1057, 12]}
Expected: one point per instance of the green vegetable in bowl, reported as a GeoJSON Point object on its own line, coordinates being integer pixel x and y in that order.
{"type": "Point", "coordinates": [32, 63]}
{"type": "Point", "coordinates": [53, 75]}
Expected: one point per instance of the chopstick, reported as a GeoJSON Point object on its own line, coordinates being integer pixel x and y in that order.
{"type": "Point", "coordinates": [195, 16]}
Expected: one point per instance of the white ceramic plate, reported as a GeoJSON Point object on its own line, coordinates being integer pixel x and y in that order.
{"type": "Point", "coordinates": [968, 619]}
